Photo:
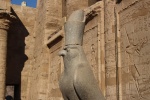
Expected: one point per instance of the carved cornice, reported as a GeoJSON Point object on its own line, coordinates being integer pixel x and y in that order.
{"type": "Point", "coordinates": [5, 19]}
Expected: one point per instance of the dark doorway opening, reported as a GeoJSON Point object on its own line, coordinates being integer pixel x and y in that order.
{"type": "Point", "coordinates": [16, 56]}
{"type": "Point", "coordinates": [12, 92]}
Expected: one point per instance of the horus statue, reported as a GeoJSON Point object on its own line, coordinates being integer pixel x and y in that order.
{"type": "Point", "coordinates": [77, 81]}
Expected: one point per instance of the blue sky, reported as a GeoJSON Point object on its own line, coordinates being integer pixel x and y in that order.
{"type": "Point", "coordinates": [31, 3]}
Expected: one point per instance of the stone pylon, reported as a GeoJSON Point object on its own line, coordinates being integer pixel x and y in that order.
{"type": "Point", "coordinates": [4, 27]}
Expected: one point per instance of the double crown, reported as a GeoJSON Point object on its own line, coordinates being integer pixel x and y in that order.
{"type": "Point", "coordinates": [74, 28]}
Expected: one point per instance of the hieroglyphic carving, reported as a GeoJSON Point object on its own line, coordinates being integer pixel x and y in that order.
{"type": "Point", "coordinates": [90, 47]}
{"type": "Point", "coordinates": [135, 51]}
{"type": "Point", "coordinates": [93, 41]}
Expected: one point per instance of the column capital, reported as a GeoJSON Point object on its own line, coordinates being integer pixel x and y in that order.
{"type": "Point", "coordinates": [5, 19]}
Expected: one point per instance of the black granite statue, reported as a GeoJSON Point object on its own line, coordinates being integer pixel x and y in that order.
{"type": "Point", "coordinates": [77, 81]}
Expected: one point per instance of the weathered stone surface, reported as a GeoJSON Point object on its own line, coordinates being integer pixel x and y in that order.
{"type": "Point", "coordinates": [72, 5]}
{"type": "Point", "coordinates": [115, 40]}
{"type": "Point", "coordinates": [133, 40]}
{"type": "Point", "coordinates": [110, 52]}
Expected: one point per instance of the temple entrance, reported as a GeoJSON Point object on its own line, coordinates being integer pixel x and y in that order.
{"type": "Point", "coordinates": [9, 93]}
{"type": "Point", "coordinates": [12, 92]}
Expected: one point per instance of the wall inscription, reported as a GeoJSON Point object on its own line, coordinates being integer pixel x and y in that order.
{"type": "Point", "coordinates": [135, 51]}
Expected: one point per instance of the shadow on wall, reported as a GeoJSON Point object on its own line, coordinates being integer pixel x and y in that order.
{"type": "Point", "coordinates": [91, 2]}
{"type": "Point", "coordinates": [16, 54]}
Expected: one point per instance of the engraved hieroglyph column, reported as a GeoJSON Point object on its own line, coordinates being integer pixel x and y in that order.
{"type": "Point", "coordinates": [4, 26]}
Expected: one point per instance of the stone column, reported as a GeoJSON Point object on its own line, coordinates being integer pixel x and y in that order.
{"type": "Point", "coordinates": [4, 26]}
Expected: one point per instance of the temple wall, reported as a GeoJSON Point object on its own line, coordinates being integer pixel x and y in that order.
{"type": "Point", "coordinates": [90, 44]}
{"type": "Point", "coordinates": [55, 69]}
{"type": "Point", "coordinates": [36, 82]}
{"type": "Point", "coordinates": [116, 43]}
{"type": "Point", "coordinates": [72, 5]}
{"type": "Point", "coordinates": [127, 50]}
{"type": "Point", "coordinates": [5, 4]}
{"type": "Point", "coordinates": [47, 21]}
{"type": "Point", "coordinates": [133, 49]}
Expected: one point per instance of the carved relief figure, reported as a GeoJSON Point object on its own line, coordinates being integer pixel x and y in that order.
{"type": "Point", "coordinates": [77, 81]}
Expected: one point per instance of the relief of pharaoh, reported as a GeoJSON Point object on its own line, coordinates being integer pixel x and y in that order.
{"type": "Point", "coordinates": [77, 81]}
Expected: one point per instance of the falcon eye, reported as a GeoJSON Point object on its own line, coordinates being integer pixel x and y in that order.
{"type": "Point", "coordinates": [67, 49]}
